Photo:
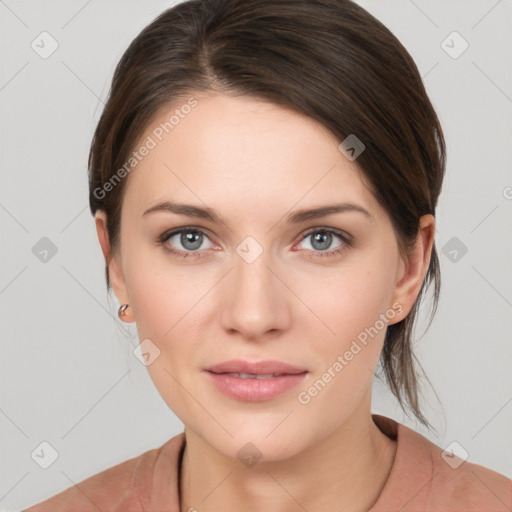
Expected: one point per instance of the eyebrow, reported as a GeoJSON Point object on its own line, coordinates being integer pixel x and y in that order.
{"type": "Point", "coordinates": [296, 217]}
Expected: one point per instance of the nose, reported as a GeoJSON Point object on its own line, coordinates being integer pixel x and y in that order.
{"type": "Point", "coordinates": [256, 302]}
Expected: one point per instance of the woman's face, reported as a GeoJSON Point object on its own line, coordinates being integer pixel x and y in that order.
{"type": "Point", "coordinates": [316, 292]}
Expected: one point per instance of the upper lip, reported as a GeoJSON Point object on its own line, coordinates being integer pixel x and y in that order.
{"type": "Point", "coordinates": [256, 368]}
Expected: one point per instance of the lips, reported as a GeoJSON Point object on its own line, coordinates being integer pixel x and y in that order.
{"type": "Point", "coordinates": [259, 370]}
{"type": "Point", "coordinates": [252, 375]}
{"type": "Point", "coordinates": [255, 381]}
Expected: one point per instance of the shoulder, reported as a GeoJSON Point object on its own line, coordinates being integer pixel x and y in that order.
{"type": "Point", "coordinates": [465, 485]}
{"type": "Point", "coordinates": [106, 490]}
{"type": "Point", "coordinates": [424, 477]}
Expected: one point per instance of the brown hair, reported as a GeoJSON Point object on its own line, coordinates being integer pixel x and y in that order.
{"type": "Point", "coordinates": [328, 59]}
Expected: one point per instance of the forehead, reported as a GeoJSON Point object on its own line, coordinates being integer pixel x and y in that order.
{"type": "Point", "coordinates": [243, 150]}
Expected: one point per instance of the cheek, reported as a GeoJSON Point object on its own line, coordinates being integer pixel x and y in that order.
{"type": "Point", "coordinates": [152, 304]}
{"type": "Point", "coordinates": [162, 303]}
{"type": "Point", "coordinates": [354, 307]}
{"type": "Point", "coordinates": [161, 292]}
{"type": "Point", "coordinates": [349, 299]}
{"type": "Point", "coordinates": [165, 305]}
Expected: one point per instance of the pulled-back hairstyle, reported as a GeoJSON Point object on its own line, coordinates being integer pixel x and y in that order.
{"type": "Point", "coordinates": [328, 59]}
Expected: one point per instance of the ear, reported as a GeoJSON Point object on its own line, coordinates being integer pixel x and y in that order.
{"type": "Point", "coordinates": [412, 271]}
{"type": "Point", "coordinates": [112, 261]}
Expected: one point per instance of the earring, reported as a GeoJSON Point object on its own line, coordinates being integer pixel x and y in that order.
{"type": "Point", "coordinates": [122, 310]}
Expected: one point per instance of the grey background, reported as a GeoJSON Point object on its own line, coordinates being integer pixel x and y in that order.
{"type": "Point", "coordinates": [68, 374]}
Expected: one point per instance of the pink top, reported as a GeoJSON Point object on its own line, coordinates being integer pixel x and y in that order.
{"type": "Point", "coordinates": [420, 480]}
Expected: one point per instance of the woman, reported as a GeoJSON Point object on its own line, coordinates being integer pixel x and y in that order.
{"type": "Point", "coordinates": [264, 180]}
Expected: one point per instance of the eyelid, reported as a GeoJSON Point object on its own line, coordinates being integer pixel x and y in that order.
{"type": "Point", "coordinates": [347, 240]}
{"type": "Point", "coordinates": [176, 231]}
{"type": "Point", "coordinates": [314, 229]}
{"type": "Point", "coordinates": [319, 229]}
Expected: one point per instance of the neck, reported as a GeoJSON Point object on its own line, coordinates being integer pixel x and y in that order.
{"type": "Point", "coordinates": [344, 471]}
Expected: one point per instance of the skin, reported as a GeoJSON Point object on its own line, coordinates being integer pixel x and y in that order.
{"type": "Point", "coordinates": [254, 162]}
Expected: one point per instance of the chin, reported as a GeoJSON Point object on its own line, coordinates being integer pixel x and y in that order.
{"type": "Point", "coordinates": [252, 444]}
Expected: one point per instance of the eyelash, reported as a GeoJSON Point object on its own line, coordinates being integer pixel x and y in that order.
{"type": "Point", "coordinates": [347, 242]}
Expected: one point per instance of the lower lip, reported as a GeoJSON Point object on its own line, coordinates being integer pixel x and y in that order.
{"type": "Point", "coordinates": [255, 390]}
